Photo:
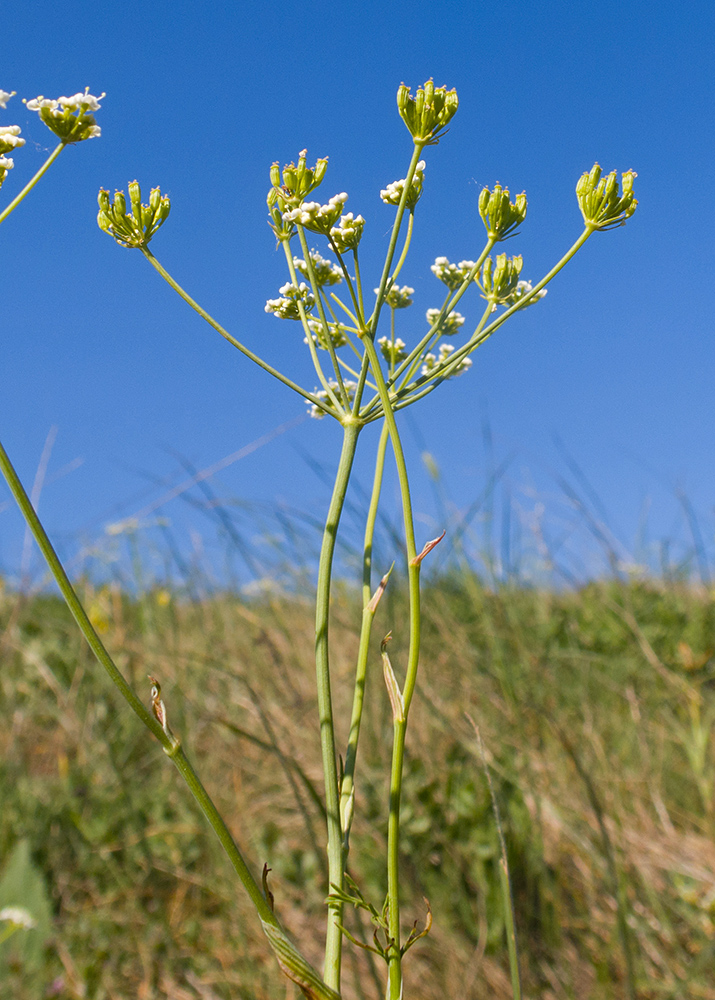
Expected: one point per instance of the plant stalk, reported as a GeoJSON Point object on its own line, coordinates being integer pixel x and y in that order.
{"type": "Point", "coordinates": [333, 941]}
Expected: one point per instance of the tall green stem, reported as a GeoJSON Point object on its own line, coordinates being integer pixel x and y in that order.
{"type": "Point", "coordinates": [30, 184]}
{"type": "Point", "coordinates": [347, 790]}
{"type": "Point", "coordinates": [413, 655]}
{"type": "Point", "coordinates": [333, 942]}
{"type": "Point", "coordinates": [289, 958]}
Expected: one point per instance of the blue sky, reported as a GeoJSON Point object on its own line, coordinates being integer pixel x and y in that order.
{"type": "Point", "coordinates": [617, 362]}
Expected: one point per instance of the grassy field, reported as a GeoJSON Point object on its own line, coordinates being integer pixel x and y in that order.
{"type": "Point", "coordinates": [597, 709]}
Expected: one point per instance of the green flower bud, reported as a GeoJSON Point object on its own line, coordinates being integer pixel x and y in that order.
{"type": "Point", "coordinates": [289, 190]}
{"type": "Point", "coordinates": [499, 215]}
{"type": "Point", "coordinates": [499, 282]}
{"type": "Point", "coordinates": [135, 197]}
{"type": "Point", "coordinates": [120, 204]}
{"type": "Point", "coordinates": [137, 229]}
{"type": "Point", "coordinates": [601, 203]}
{"type": "Point", "coordinates": [428, 113]}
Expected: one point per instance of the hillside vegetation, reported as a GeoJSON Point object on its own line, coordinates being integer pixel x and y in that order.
{"type": "Point", "coordinates": [597, 710]}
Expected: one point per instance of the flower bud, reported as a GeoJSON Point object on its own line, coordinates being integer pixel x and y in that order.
{"type": "Point", "coordinates": [500, 282]}
{"type": "Point", "coordinates": [601, 203]}
{"type": "Point", "coordinates": [137, 229]}
{"type": "Point", "coordinates": [499, 215]}
{"type": "Point", "coordinates": [428, 113]}
{"type": "Point", "coordinates": [135, 197]}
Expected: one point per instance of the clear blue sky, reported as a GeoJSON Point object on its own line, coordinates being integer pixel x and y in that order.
{"type": "Point", "coordinates": [617, 361]}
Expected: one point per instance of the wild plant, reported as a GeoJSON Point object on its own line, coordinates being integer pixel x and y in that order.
{"type": "Point", "coordinates": [366, 374]}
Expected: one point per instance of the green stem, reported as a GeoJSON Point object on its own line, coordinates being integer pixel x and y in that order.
{"type": "Point", "coordinates": [479, 339]}
{"type": "Point", "coordinates": [227, 336]}
{"type": "Point", "coordinates": [30, 184]}
{"type": "Point", "coordinates": [290, 959]}
{"type": "Point", "coordinates": [374, 319]}
{"type": "Point", "coordinates": [400, 726]}
{"type": "Point", "coordinates": [406, 247]}
{"type": "Point", "coordinates": [321, 311]}
{"type": "Point", "coordinates": [333, 942]}
{"type": "Point", "coordinates": [347, 790]}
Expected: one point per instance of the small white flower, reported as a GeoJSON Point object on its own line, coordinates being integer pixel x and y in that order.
{"type": "Point", "coordinates": [399, 298]}
{"type": "Point", "coordinates": [453, 275]}
{"type": "Point", "coordinates": [316, 217]}
{"type": "Point", "coordinates": [326, 273]}
{"type": "Point", "coordinates": [286, 307]}
{"type": "Point", "coordinates": [85, 100]}
{"type": "Point", "coordinates": [6, 163]}
{"type": "Point", "coordinates": [315, 411]}
{"type": "Point", "coordinates": [348, 234]}
{"type": "Point", "coordinates": [19, 916]}
{"type": "Point", "coordinates": [445, 350]}
{"type": "Point", "coordinates": [11, 139]}
{"type": "Point", "coordinates": [450, 324]}
{"type": "Point", "coordinates": [5, 97]}
{"type": "Point", "coordinates": [522, 290]}
{"type": "Point", "coordinates": [392, 194]}
{"type": "Point", "coordinates": [38, 103]}
{"type": "Point", "coordinates": [393, 350]}
{"type": "Point", "coordinates": [317, 331]}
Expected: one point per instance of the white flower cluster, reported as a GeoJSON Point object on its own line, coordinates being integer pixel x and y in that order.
{"type": "Point", "coordinates": [9, 140]}
{"type": "Point", "coordinates": [399, 298]}
{"type": "Point", "coordinates": [286, 307]}
{"type": "Point", "coordinates": [393, 351]}
{"type": "Point", "coordinates": [450, 324]}
{"type": "Point", "coordinates": [18, 915]}
{"type": "Point", "coordinates": [326, 273]}
{"type": "Point", "coordinates": [318, 218]}
{"type": "Point", "coordinates": [84, 102]}
{"type": "Point", "coordinates": [453, 275]}
{"type": "Point", "coordinates": [522, 290]}
{"type": "Point", "coordinates": [393, 192]}
{"type": "Point", "coordinates": [5, 97]}
{"type": "Point", "coordinates": [65, 114]}
{"type": "Point", "coordinates": [432, 362]}
{"type": "Point", "coordinates": [317, 330]}
{"type": "Point", "coordinates": [315, 411]}
{"type": "Point", "coordinates": [348, 234]}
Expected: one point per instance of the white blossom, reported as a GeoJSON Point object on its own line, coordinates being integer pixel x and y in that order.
{"type": "Point", "coordinates": [450, 323]}
{"type": "Point", "coordinates": [5, 97]}
{"type": "Point", "coordinates": [315, 411]}
{"type": "Point", "coordinates": [453, 275]}
{"type": "Point", "coordinates": [325, 272]}
{"type": "Point", "coordinates": [522, 290]}
{"type": "Point", "coordinates": [286, 307]}
{"type": "Point", "coordinates": [445, 350]}
{"type": "Point", "coordinates": [393, 350]}
{"type": "Point", "coordinates": [399, 298]}
{"type": "Point", "coordinates": [19, 916]}
{"type": "Point", "coordinates": [316, 216]}
{"type": "Point", "coordinates": [348, 234]}
{"type": "Point", "coordinates": [317, 331]}
{"type": "Point", "coordinates": [392, 194]}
